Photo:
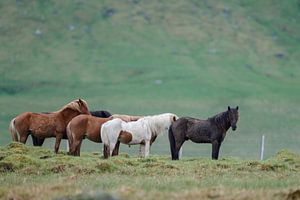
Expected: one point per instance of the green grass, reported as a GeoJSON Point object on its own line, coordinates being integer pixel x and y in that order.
{"type": "Point", "coordinates": [37, 173]}
{"type": "Point", "coordinates": [208, 55]}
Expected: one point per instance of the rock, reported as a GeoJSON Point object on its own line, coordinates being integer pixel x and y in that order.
{"type": "Point", "coordinates": [279, 55]}
{"type": "Point", "coordinates": [38, 32]}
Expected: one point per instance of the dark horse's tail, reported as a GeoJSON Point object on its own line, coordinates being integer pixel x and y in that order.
{"type": "Point", "coordinates": [172, 144]}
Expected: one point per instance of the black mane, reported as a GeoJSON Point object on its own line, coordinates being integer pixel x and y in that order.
{"type": "Point", "coordinates": [221, 120]}
{"type": "Point", "coordinates": [101, 113]}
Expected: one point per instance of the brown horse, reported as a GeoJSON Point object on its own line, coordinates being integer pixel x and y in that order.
{"type": "Point", "coordinates": [46, 125]}
{"type": "Point", "coordinates": [87, 126]}
{"type": "Point", "coordinates": [98, 113]}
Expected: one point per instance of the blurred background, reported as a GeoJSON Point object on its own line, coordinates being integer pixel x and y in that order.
{"type": "Point", "coordinates": [141, 57]}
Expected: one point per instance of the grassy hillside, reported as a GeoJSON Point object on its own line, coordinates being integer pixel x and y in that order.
{"type": "Point", "coordinates": [192, 58]}
{"type": "Point", "coordinates": [37, 173]}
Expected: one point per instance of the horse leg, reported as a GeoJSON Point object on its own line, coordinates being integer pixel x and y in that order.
{"type": "Point", "coordinates": [78, 148]}
{"type": "Point", "coordinates": [71, 148]}
{"type": "Point", "coordinates": [23, 138]}
{"type": "Point", "coordinates": [112, 146]}
{"type": "Point", "coordinates": [142, 150]}
{"type": "Point", "coordinates": [215, 149]}
{"type": "Point", "coordinates": [178, 146]}
{"type": "Point", "coordinates": [116, 149]}
{"type": "Point", "coordinates": [147, 148]}
{"type": "Point", "coordinates": [75, 147]}
{"type": "Point", "coordinates": [59, 136]}
{"type": "Point", "coordinates": [105, 151]}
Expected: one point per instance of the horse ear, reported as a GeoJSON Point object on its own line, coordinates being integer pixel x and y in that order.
{"type": "Point", "coordinates": [174, 118]}
{"type": "Point", "coordinates": [237, 108]}
{"type": "Point", "coordinates": [228, 107]}
{"type": "Point", "coordinates": [80, 102]}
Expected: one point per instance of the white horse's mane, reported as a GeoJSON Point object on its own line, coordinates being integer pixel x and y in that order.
{"type": "Point", "coordinates": [157, 123]}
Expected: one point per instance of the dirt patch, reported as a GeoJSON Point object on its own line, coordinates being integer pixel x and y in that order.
{"type": "Point", "coordinates": [272, 167]}
{"type": "Point", "coordinates": [105, 167]}
{"type": "Point", "coordinates": [89, 196]}
{"type": "Point", "coordinates": [6, 167]}
{"type": "Point", "coordinates": [58, 169]}
{"type": "Point", "coordinates": [293, 195]}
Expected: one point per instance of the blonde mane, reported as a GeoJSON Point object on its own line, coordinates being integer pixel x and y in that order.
{"type": "Point", "coordinates": [74, 105]}
{"type": "Point", "coordinates": [157, 123]}
{"type": "Point", "coordinates": [127, 118]}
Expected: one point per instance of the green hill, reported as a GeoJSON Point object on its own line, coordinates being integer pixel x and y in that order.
{"type": "Point", "coordinates": [192, 58]}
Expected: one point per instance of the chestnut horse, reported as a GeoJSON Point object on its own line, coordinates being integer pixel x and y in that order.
{"type": "Point", "coordinates": [46, 125]}
{"type": "Point", "coordinates": [87, 126]}
{"type": "Point", "coordinates": [143, 131]}
{"type": "Point", "coordinates": [98, 113]}
{"type": "Point", "coordinates": [213, 130]}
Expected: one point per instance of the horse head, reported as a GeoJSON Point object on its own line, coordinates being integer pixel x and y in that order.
{"type": "Point", "coordinates": [233, 117]}
{"type": "Point", "coordinates": [83, 107]}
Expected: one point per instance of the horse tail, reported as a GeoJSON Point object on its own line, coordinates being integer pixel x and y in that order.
{"type": "Point", "coordinates": [13, 131]}
{"type": "Point", "coordinates": [172, 143]}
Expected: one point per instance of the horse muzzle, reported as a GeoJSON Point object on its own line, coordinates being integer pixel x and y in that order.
{"type": "Point", "coordinates": [233, 128]}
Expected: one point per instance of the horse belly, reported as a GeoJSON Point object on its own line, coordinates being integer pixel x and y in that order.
{"type": "Point", "coordinates": [89, 129]}
{"type": "Point", "coordinates": [138, 132]}
{"type": "Point", "coordinates": [125, 137]}
{"type": "Point", "coordinates": [42, 127]}
{"type": "Point", "coordinates": [43, 132]}
{"type": "Point", "coordinates": [202, 137]}
{"type": "Point", "coordinates": [94, 136]}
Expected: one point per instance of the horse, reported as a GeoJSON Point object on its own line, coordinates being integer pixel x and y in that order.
{"type": "Point", "coordinates": [42, 125]}
{"type": "Point", "coordinates": [86, 126]}
{"type": "Point", "coordinates": [98, 113]}
{"type": "Point", "coordinates": [213, 130]}
{"type": "Point", "coordinates": [143, 131]}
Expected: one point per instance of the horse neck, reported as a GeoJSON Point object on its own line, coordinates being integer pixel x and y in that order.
{"type": "Point", "coordinates": [69, 113]}
{"type": "Point", "coordinates": [222, 121]}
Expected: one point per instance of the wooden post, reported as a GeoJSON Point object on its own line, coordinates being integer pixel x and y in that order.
{"type": "Point", "coordinates": [262, 149]}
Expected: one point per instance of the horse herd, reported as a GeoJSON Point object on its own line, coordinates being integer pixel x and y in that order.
{"type": "Point", "coordinates": [75, 122]}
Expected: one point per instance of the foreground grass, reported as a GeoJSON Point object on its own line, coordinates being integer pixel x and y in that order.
{"type": "Point", "coordinates": [192, 58]}
{"type": "Point", "coordinates": [37, 173]}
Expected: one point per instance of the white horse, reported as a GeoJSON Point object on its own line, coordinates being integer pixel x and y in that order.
{"type": "Point", "coordinates": [143, 131]}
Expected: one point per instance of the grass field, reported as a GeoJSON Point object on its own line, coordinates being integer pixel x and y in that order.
{"type": "Point", "coordinates": [191, 58]}
{"type": "Point", "coordinates": [37, 173]}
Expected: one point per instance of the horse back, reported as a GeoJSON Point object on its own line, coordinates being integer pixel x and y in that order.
{"type": "Point", "coordinates": [42, 125]}
{"type": "Point", "coordinates": [193, 129]}
{"type": "Point", "coordinates": [87, 126]}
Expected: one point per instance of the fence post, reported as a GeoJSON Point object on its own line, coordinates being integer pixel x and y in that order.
{"type": "Point", "coordinates": [262, 148]}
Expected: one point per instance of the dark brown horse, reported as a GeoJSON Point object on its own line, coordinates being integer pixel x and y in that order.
{"type": "Point", "coordinates": [98, 113]}
{"type": "Point", "coordinates": [213, 130]}
{"type": "Point", "coordinates": [87, 126]}
{"type": "Point", "coordinates": [48, 125]}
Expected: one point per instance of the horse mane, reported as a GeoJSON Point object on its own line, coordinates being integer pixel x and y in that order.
{"type": "Point", "coordinates": [127, 118]}
{"type": "Point", "coordinates": [221, 120]}
{"type": "Point", "coordinates": [156, 122]}
{"type": "Point", "coordinates": [74, 105]}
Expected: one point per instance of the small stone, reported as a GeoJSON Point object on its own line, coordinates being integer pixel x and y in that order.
{"type": "Point", "coordinates": [38, 32]}
{"type": "Point", "coordinates": [71, 27]}
{"type": "Point", "coordinates": [158, 81]}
